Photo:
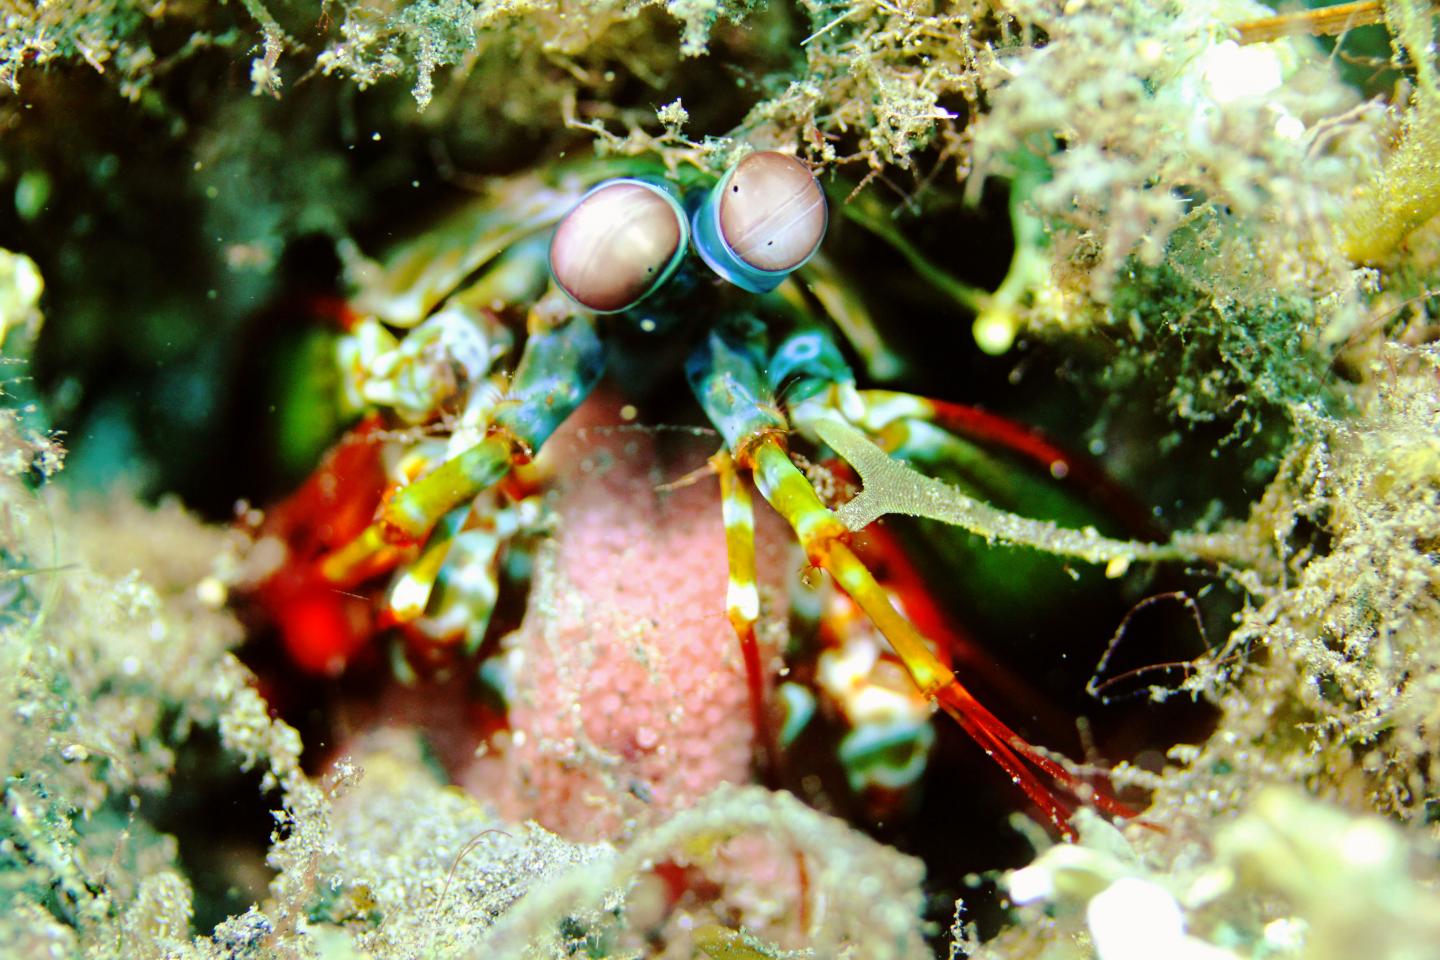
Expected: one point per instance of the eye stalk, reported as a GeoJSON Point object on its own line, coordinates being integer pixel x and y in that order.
{"type": "Point", "coordinates": [762, 221]}
{"type": "Point", "coordinates": [618, 245]}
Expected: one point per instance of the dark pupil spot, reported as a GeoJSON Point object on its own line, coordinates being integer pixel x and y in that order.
{"type": "Point", "coordinates": [769, 243]}
{"type": "Point", "coordinates": [649, 269]}
{"type": "Point", "coordinates": [735, 189]}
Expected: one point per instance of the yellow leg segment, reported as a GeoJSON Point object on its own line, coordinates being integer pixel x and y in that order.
{"type": "Point", "coordinates": [742, 599]}
{"type": "Point", "coordinates": [362, 558]}
{"type": "Point", "coordinates": [408, 517]}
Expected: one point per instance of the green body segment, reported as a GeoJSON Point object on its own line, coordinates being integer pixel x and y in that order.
{"type": "Point", "coordinates": [415, 509]}
{"type": "Point", "coordinates": [725, 376]}
{"type": "Point", "coordinates": [557, 371]}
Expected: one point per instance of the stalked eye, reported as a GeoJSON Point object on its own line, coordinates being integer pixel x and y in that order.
{"type": "Point", "coordinates": [772, 212]}
{"type": "Point", "coordinates": [764, 219]}
{"type": "Point", "coordinates": [620, 243]}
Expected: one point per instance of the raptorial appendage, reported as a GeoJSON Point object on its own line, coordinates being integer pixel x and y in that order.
{"type": "Point", "coordinates": [736, 382]}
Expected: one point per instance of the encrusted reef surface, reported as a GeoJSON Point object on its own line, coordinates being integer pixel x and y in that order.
{"type": "Point", "coordinates": [1224, 238]}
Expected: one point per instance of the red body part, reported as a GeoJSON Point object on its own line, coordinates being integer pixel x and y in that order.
{"type": "Point", "coordinates": [1028, 443]}
{"type": "Point", "coordinates": [321, 625]}
{"type": "Point", "coordinates": [885, 555]}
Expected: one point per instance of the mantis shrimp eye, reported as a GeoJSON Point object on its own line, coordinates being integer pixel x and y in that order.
{"type": "Point", "coordinates": [620, 243]}
{"type": "Point", "coordinates": [764, 219]}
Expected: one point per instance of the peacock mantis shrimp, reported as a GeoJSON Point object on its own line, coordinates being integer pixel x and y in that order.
{"type": "Point", "coordinates": [725, 272]}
